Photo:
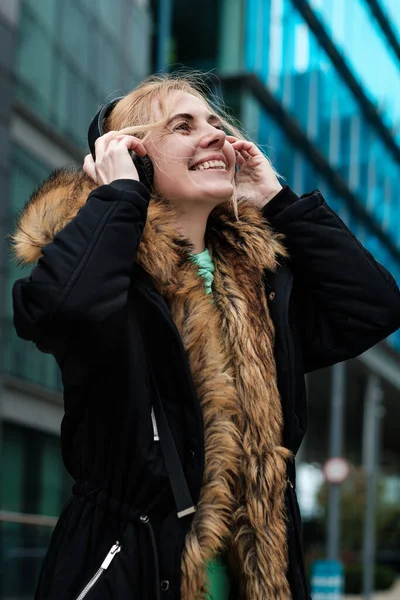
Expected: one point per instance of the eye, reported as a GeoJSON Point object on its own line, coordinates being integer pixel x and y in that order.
{"type": "Point", "coordinates": [184, 126]}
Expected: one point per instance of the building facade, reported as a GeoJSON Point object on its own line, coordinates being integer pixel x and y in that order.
{"type": "Point", "coordinates": [59, 61]}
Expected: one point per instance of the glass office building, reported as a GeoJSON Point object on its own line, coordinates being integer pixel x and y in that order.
{"type": "Point", "coordinates": [59, 62]}
{"type": "Point", "coordinates": [316, 84]}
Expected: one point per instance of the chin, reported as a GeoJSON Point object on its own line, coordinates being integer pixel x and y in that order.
{"type": "Point", "coordinates": [220, 195]}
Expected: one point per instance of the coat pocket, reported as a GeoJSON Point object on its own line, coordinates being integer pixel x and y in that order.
{"type": "Point", "coordinates": [100, 572]}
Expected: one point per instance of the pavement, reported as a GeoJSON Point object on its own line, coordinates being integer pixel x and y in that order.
{"type": "Point", "coordinates": [392, 594]}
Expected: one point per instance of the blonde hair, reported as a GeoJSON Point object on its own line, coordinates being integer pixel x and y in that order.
{"type": "Point", "coordinates": [136, 114]}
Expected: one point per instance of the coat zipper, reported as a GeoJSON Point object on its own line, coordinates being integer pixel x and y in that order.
{"type": "Point", "coordinates": [104, 565]}
{"type": "Point", "coordinates": [156, 436]}
{"type": "Point", "coordinates": [146, 521]}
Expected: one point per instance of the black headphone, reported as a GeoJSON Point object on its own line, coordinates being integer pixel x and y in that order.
{"type": "Point", "coordinates": [143, 164]}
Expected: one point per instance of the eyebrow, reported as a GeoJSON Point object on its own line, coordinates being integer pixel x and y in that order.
{"type": "Point", "coordinates": [189, 117]}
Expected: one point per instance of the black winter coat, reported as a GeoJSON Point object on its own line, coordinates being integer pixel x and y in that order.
{"type": "Point", "coordinates": [103, 320]}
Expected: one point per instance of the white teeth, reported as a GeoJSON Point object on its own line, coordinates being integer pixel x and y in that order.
{"type": "Point", "coordinates": [211, 164]}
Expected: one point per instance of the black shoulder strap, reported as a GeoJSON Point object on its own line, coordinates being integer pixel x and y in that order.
{"type": "Point", "coordinates": [180, 489]}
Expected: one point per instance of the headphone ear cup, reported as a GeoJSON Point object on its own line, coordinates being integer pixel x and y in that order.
{"type": "Point", "coordinates": [96, 126]}
{"type": "Point", "coordinates": [145, 170]}
{"type": "Point", "coordinates": [143, 164]}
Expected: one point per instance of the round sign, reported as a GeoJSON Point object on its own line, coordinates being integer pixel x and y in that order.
{"type": "Point", "coordinates": [336, 470]}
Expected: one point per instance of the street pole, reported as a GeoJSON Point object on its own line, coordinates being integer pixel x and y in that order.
{"type": "Point", "coordinates": [336, 450]}
{"type": "Point", "coordinates": [164, 35]}
{"type": "Point", "coordinates": [373, 412]}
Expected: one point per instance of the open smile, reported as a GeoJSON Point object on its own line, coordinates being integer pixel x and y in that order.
{"type": "Point", "coordinates": [212, 162]}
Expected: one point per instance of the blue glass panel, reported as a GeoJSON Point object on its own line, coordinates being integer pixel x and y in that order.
{"type": "Point", "coordinates": [251, 34]}
{"type": "Point", "coordinates": [304, 79]}
{"type": "Point", "coordinates": [372, 59]}
{"type": "Point", "coordinates": [391, 9]}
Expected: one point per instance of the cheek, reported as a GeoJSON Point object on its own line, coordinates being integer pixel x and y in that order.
{"type": "Point", "coordinates": [171, 164]}
{"type": "Point", "coordinates": [170, 157]}
{"type": "Point", "coordinates": [171, 177]}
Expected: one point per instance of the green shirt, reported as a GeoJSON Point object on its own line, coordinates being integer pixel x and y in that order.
{"type": "Point", "coordinates": [206, 268]}
{"type": "Point", "coordinates": [218, 573]}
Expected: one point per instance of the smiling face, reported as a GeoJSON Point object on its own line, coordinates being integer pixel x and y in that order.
{"type": "Point", "coordinates": [194, 163]}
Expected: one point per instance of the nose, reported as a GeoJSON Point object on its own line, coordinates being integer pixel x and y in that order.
{"type": "Point", "coordinates": [212, 137]}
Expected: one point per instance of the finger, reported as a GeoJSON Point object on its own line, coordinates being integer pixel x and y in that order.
{"type": "Point", "coordinates": [133, 143]}
{"type": "Point", "coordinates": [89, 167]}
{"type": "Point", "coordinates": [244, 156]}
{"type": "Point", "coordinates": [244, 146]}
{"type": "Point", "coordinates": [101, 144]}
{"type": "Point", "coordinates": [112, 145]}
{"type": "Point", "coordinates": [239, 159]}
{"type": "Point", "coordinates": [232, 139]}
{"type": "Point", "coordinates": [88, 160]}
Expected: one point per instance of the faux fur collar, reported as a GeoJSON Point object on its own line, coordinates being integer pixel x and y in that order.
{"type": "Point", "coordinates": [229, 343]}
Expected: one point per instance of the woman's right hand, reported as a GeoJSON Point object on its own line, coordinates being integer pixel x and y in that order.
{"type": "Point", "coordinates": [113, 160]}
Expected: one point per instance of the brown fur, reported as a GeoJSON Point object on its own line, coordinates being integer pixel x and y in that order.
{"type": "Point", "coordinates": [230, 348]}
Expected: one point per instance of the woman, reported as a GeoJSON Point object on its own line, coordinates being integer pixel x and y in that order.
{"type": "Point", "coordinates": [183, 322]}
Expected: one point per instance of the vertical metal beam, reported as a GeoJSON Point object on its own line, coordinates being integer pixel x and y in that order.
{"type": "Point", "coordinates": [164, 35]}
{"type": "Point", "coordinates": [371, 440]}
{"type": "Point", "coordinates": [335, 450]}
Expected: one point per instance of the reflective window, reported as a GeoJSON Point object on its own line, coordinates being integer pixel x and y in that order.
{"type": "Point", "coordinates": [44, 12]}
{"type": "Point", "coordinates": [193, 46]}
{"type": "Point", "coordinates": [75, 35]}
{"type": "Point", "coordinates": [33, 480]}
{"type": "Point", "coordinates": [33, 477]}
{"type": "Point", "coordinates": [72, 56]}
{"type": "Point", "coordinates": [371, 58]}
{"type": "Point", "coordinates": [111, 14]}
{"type": "Point", "coordinates": [391, 8]}
{"type": "Point", "coordinates": [22, 358]}
{"type": "Point", "coordinates": [302, 77]}
{"type": "Point", "coordinates": [34, 66]}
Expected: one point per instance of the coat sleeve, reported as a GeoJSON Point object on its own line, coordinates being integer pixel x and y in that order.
{"type": "Point", "coordinates": [344, 301]}
{"type": "Point", "coordinates": [83, 275]}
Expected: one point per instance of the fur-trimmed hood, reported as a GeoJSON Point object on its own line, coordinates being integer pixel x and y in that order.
{"type": "Point", "coordinates": [230, 348]}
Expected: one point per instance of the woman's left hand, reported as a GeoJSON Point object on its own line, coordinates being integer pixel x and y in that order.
{"type": "Point", "coordinates": [255, 179]}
